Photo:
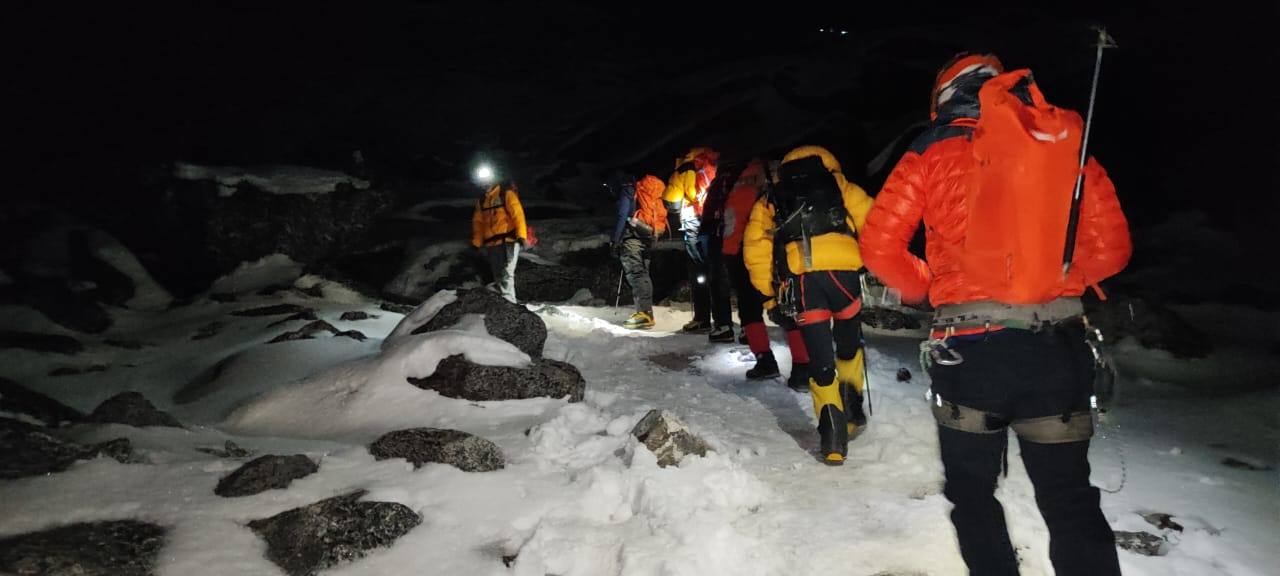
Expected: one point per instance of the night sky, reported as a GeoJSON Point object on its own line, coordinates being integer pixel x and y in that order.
{"type": "Point", "coordinates": [102, 91]}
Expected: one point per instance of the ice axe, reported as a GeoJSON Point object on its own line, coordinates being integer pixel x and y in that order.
{"type": "Point", "coordinates": [1103, 42]}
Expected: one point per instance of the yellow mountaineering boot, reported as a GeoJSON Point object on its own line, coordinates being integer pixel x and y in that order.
{"type": "Point", "coordinates": [639, 320]}
{"type": "Point", "coordinates": [833, 433]}
{"type": "Point", "coordinates": [850, 373]}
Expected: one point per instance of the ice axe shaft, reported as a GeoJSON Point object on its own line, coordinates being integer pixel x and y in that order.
{"type": "Point", "coordinates": [1104, 41]}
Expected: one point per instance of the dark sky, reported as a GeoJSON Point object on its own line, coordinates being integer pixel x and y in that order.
{"type": "Point", "coordinates": [1184, 113]}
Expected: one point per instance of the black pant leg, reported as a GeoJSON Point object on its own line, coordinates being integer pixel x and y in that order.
{"type": "Point", "coordinates": [718, 285]}
{"type": "Point", "coordinates": [1081, 542]}
{"type": "Point", "coordinates": [750, 300]}
{"type": "Point", "coordinates": [971, 464]}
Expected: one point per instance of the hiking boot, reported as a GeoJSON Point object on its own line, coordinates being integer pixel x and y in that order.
{"type": "Point", "coordinates": [766, 367]}
{"type": "Point", "coordinates": [799, 379]}
{"type": "Point", "coordinates": [833, 431]}
{"type": "Point", "coordinates": [721, 334]}
{"type": "Point", "coordinates": [696, 327]}
{"type": "Point", "coordinates": [639, 320]}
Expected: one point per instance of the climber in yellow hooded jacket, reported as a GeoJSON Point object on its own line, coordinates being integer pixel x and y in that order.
{"type": "Point", "coordinates": [800, 247]}
{"type": "Point", "coordinates": [683, 197]}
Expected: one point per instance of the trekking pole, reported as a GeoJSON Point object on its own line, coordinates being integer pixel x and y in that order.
{"type": "Point", "coordinates": [1104, 41]}
{"type": "Point", "coordinates": [617, 300]}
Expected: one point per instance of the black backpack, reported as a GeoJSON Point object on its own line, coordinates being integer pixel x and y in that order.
{"type": "Point", "coordinates": [808, 202]}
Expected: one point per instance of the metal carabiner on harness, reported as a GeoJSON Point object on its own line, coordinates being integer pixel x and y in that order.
{"type": "Point", "coordinates": [936, 351]}
{"type": "Point", "coordinates": [942, 354]}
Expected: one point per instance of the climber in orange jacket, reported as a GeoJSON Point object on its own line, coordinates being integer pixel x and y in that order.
{"type": "Point", "coordinates": [499, 230]}
{"type": "Point", "coordinates": [999, 364]}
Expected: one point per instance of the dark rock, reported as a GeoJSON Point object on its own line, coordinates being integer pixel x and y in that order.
{"type": "Point", "coordinates": [304, 541]}
{"type": "Point", "coordinates": [502, 319]}
{"type": "Point", "coordinates": [114, 548]}
{"type": "Point", "coordinates": [1162, 521]}
{"type": "Point", "coordinates": [888, 319]}
{"type": "Point", "coordinates": [352, 334]}
{"type": "Point", "coordinates": [1233, 462]}
{"type": "Point", "coordinates": [31, 451]}
{"type": "Point", "coordinates": [18, 399]}
{"type": "Point", "coordinates": [133, 409]}
{"type": "Point", "coordinates": [396, 307]}
{"type": "Point", "coordinates": [265, 473]}
{"type": "Point", "coordinates": [28, 450]}
{"type": "Point", "coordinates": [457, 377]}
{"type": "Point", "coordinates": [212, 228]}
{"type": "Point", "coordinates": [667, 438]}
{"type": "Point", "coordinates": [305, 332]}
{"type": "Point", "coordinates": [119, 449]}
{"type": "Point", "coordinates": [550, 283]}
{"type": "Point", "coordinates": [904, 375]}
{"type": "Point", "coordinates": [354, 315]}
{"type": "Point", "coordinates": [304, 315]}
{"type": "Point", "coordinates": [56, 343]}
{"type": "Point", "coordinates": [229, 450]}
{"type": "Point", "coordinates": [74, 370]}
{"type": "Point", "coordinates": [125, 344]}
{"type": "Point", "coordinates": [1149, 322]}
{"type": "Point", "coordinates": [273, 310]}
{"type": "Point", "coordinates": [1144, 543]}
{"type": "Point", "coordinates": [419, 446]}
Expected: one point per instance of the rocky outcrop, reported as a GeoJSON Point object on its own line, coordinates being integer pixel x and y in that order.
{"type": "Point", "coordinates": [889, 319]}
{"type": "Point", "coordinates": [18, 399]}
{"type": "Point", "coordinates": [502, 319]}
{"type": "Point", "coordinates": [114, 548]}
{"type": "Point", "coordinates": [265, 473]}
{"type": "Point", "coordinates": [456, 448]}
{"type": "Point", "coordinates": [457, 377]}
{"type": "Point", "coordinates": [667, 438]}
{"type": "Point", "coordinates": [1150, 323]}
{"type": "Point", "coordinates": [306, 540]}
{"type": "Point", "coordinates": [30, 450]}
{"type": "Point", "coordinates": [132, 409]}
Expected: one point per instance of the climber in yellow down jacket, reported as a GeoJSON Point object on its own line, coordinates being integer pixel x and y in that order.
{"type": "Point", "coordinates": [801, 250]}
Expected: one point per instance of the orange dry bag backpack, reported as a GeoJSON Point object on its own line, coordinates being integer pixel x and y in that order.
{"type": "Point", "coordinates": [1019, 204]}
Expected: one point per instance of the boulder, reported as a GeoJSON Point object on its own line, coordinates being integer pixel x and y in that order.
{"type": "Point", "coordinates": [502, 319]}
{"type": "Point", "coordinates": [304, 541]}
{"type": "Point", "coordinates": [18, 399]}
{"type": "Point", "coordinates": [30, 450]}
{"type": "Point", "coordinates": [457, 377]}
{"type": "Point", "coordinates": [419, 446]}
{"type": "Point", "coordinates": [133, 409]}
{"type": "Point", "coordinates": [667, 438]}
{"type": "Point", "coordinates": [113, 548]}
{"type": "Point", "coordinates": [265, 473]}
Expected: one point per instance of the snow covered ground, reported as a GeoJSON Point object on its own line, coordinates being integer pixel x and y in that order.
{"type": "Point", "coordinates": [579, 496]}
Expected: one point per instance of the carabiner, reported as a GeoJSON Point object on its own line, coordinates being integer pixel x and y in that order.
{"type": "Point", "coordinates": [943, 355]}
